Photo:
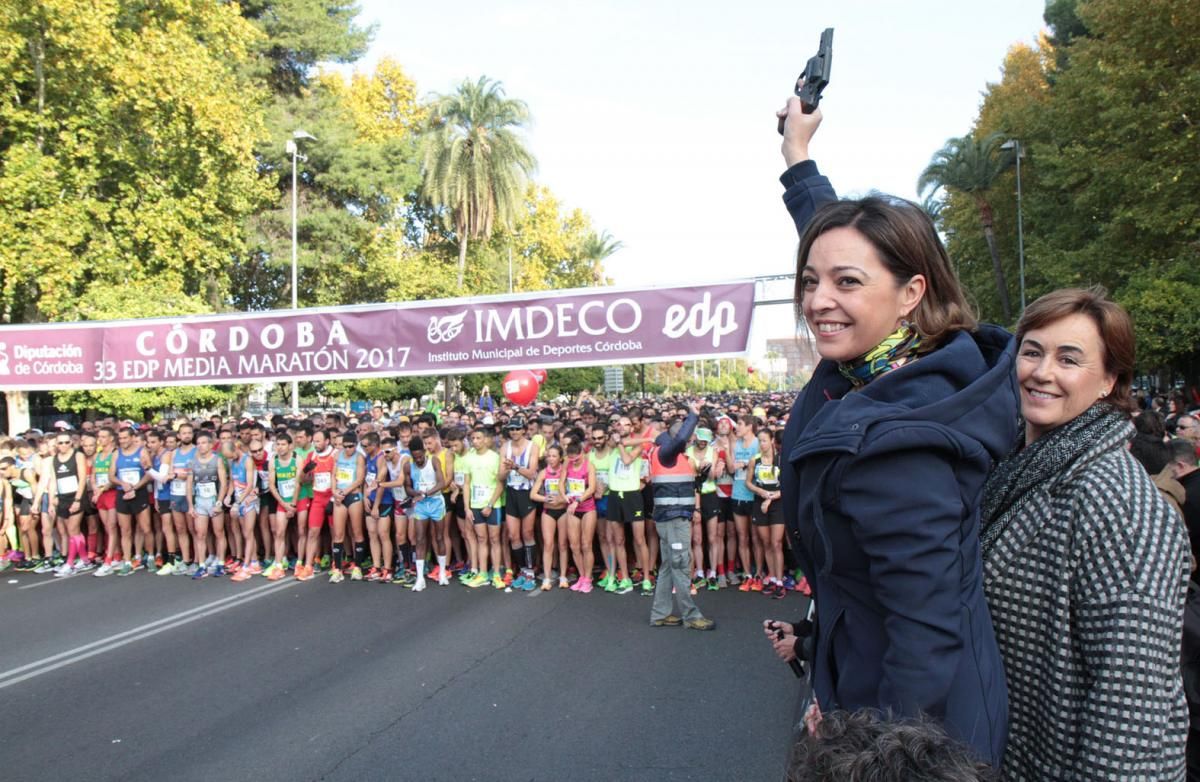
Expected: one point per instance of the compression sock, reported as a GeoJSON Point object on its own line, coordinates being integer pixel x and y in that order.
{"type": "Point", "coordinates": [360, 553]}
{"type": "Point", "coordinates": [71, 551]}
{"type": "Point", "coordinates": [529, 556]}
{"type": "Point", "coordinates": [338, 551]}
{"type": "Point", "coordinates": [92, 539]}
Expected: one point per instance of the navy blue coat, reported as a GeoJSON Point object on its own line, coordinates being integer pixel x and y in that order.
{"type": "Point", "coordinates": [881, 491]}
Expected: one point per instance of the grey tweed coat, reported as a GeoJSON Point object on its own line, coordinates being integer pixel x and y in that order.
{"type": "Point", "coordinates": [1086, 589]}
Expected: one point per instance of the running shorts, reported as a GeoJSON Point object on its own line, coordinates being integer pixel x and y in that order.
{"type": "Point", "coordinates": [743, 507]}
{"type": "Point", "coordinates": [517, 503]}
{"type": "Point", "coordinates": [625, 506]}
{"type": "Point", "coordinates": [431, 509]}
{"type": "Point", "coordinates": [709, 506]}
{"type": "Point", "coordinates": [140, 501]}
{"type": "Point", "coordinates": [317, 509]}
{"type": "Point", "coordinates": [107, 500]}
{"type": "Point", "coordinates": [489, 516]}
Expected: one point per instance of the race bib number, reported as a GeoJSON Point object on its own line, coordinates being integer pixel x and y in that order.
{"type": "Point", "coordinates": [101, 479]}
{"type": "Point", "coordinates": [322, 481]}
{"type": "Point", "coordinates": [398, 494]}
{"type": "Point", "coordinates": [129, 476]}
{"type": "Point", "coordinates": [68, 484]}
{"type": "Point", "coordinates": [575, 487]}
{"type": "Point", "coordinates": [344, 478]}
{"type": "Point", "coordinates": [602, 477]}
{"type": "Point", "coordinates": [740, 475]}
{"type": "Point", "coordinates": [480, 496]}
{"type": "Point", "coordinates": [206, 490]}
{"type": "Point", "coordinates": [622, 470]}
{"type": "Point", "coordinates": [515, 478]}
{"type": "Point", "coordinates": [178, 488]}
{"type": "Point", "coordinates": [765, 473]}
{"type": "Point", "coordinates": [459, 477]}
{"type": "Point", "coordinates": [425, 485]}
{"type": "Point", "coordinates": [287, 487]}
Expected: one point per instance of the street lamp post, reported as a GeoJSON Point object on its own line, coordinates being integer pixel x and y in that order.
{"type": "Point", "coordinates": [294, 150]}
{"type": "Point", "coordinates": [1015, 145]}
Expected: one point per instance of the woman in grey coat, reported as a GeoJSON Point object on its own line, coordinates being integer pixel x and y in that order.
{"type": "Point", "coordinates": [1085, 565]}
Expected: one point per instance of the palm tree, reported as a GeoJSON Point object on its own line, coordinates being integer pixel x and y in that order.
{"type": "Point", "coordinates": [474, 163]}
{"type": "Point", "coordinates": [971, 166]}
{"type": "Point", "coordinates": [594, 249]}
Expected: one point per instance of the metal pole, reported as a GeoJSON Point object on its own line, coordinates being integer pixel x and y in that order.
{"type": "Point", "coordinates": [295, 383]}
{"type": "Point", "coordinates": [1020, 228]}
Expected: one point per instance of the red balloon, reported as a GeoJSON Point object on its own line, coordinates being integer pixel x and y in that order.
{"type": "Point", "coordinates": [540, 374]}
{"type": "Point", "coordinates": [520, 387]}
{"type": "Point", "coordinates": [749, 370]}
{"type": "Point", "coordinates": [679, 364]}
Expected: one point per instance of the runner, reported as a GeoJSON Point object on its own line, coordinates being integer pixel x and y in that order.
{"type": "Point", "coordinates": [378, 510]}
{"type": "Point", "coordinates": [518, 468]}
{"type": "Point", "coordinates": [350, 471]}
{"type": "Point", "coordinates": [104, 495]}
{"type": "Point", "coordinates": [317, 470]}
{"type": "Point", "coordinates": [737, 461]}
{"type": "Point", "coordinates": [763, 480]}
{"type": "Point", "coordinates": [458, 507]}
{"type": "Point", "coordinates": [207, 485]}
{"type": "Point", "coordinates": [625, 502]}
{"type": "Point", "coordinates": [443, 537]}
{"type": "Point", "coordinates": [261, 456]}
{"type": "Point", "coordinates": [160, 507]}
{"type": "Point", "coordinates": [484, 491]}
{"type": "Point", "coordinates": [302, 446]}
{"type": "Point", "coordinates": [130, 474]}
{"type": "Point", "coordinates": [69, 471]}
{"type": "Point", "coordinates": [706, 464]}
{"type": "Point", "coordinates": [425, 482]}
{"type": "Point", "coordinates": [7, 517]}
{"type": "Point", "coordinates": [396, 460]}
{"type": "Point", "coordinates": [549, 489]}
{"type": "Point", "coordinates": [283, 480]}
{"type": "Point", "coordinates": [581, 514]}
{"type": "Point", "coordinates": [243, 503]}
{"type": "Point", "coordinates": [181, 469]}
{"type": "Point", "coordinates": [42, 513]}
{"type": "Point", "coordinates": [601, 456]}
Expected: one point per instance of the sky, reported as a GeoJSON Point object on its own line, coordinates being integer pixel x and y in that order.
{"type": "Point", "coordinates": [657, 118]}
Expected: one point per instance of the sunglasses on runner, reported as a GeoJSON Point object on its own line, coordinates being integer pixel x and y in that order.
{"type": "Point", "coordinates": [389, 450]}
{"type": "Point", "coordinates": [255, 451]}
{"type": "Point", "coordinates": [62, 442]}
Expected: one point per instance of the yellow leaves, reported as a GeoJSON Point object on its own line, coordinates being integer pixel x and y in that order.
{"type": "Point", "coordinates": [383, 105]}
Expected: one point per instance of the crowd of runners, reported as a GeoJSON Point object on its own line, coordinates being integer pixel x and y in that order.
{"type": "Point", "coordinates": [550, 497]}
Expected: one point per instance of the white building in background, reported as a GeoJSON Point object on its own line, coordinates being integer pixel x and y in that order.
{"type": "Point", "coordinates": [789, 361]}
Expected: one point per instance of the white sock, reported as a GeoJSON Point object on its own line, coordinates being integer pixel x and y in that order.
{"type": "Point", "coordinates": [420, 570]}
{"type": "Point", "coordinates": [441, 560]}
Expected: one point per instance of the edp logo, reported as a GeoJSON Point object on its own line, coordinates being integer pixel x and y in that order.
{"type": "Point", "coordinates": [702, 318]}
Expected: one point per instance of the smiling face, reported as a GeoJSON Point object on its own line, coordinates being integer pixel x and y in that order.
{"type": "Point", "coordinates": [851, 300]}
{"type": "Point", "coordinates": [1060, 368]}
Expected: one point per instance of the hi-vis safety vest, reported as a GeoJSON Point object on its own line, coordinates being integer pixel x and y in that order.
{"type": "Point", "coordinates": [674, 488]}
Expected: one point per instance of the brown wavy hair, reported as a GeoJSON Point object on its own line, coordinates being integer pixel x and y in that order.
{"type": "Point", "coordinates": [908, 245]}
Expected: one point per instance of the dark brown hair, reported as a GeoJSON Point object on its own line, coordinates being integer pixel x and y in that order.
{"type": "Point", "coordinates": [908, 245]}
{"type": "Point", "coordinates": [1113, 323]}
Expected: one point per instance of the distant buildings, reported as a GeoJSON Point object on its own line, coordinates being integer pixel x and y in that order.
{"type": "Point", "coordinates": [790, 360]}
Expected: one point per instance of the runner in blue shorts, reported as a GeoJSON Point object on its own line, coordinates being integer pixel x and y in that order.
{"type": "Point", "coordinates": [425, 484]}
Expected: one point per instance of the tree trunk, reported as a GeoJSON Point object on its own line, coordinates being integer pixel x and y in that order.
{"type": "Point", "coordinates": [985, 216]}
{"type": "Point", "coordinates": [18, 411]}
{"type": "Point", "coordinates": [462, 257]}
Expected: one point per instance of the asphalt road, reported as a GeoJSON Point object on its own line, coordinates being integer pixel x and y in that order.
{"type": "Point", "coordinates": [150, 677]}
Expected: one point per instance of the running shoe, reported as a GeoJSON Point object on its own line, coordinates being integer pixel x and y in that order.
{"type": "Point", "coordinates": [45, 566]}
{"type": "Point", "coordinates": [254, 568]}
{"type": "Point", "coordinates": [578, 585]}
{"type": "Point", "coordinates": [546, 585]}
{"type": "Point", "coordinates": [373, 574]}
{"type": "Point", "coordinates": [802, 587]}
{"type": "Point", "coordinates": [624, 586]}
{"type": "Point", "coordinates": [789, 583]}
{"type": "Point", "coordinates": [25, 565]}
{"type": "Point", "coordinates": [304, 573]}
{"type": "Point", "coordinates": [605, 579]}
{"type": "Point", "coordinates": [478, 581]}
{"type": "Point", "coordinates": [733, 578]}
{"type": "Point", "coordinates": [336, 577]}
{"type": "Point", "coordinates": [647, 587]}
{"type": "Point", "coordinates": [563, 583]}
{"type": "Point", "coordinates": [179, 569]}
{"type": "Point", "coordinates": [518, 582]}
{"type": "Point", "coordinates": [218, 570]}
{"type": "Point", "coordinates": [385, 576]}
{"type": "Point", "coordinates": [587, 585]}
{"type": "Point", "coordinates": [713, 585]}
{"type": "Point", "coordinates": [692, 589]}
{"type": "Point", "coordinates": [6, 563]}
{"type": "Point", "coordinates": [445, 579]}
{"type": "Point", "coordinates": [419, 586]}
{"type": "Point", "coordinates": [241, 575]}
{"type": "Point", "coordinates": [125, 568]}
{"type": "Point", "coordinates": [610, 587]}
{"type": "Point", "coordinates": [745, 585]}
{"type": "Point", "coordinates": [324, 563]}
{"type": "Point", "coordinates": [356, 573]}
{"type": "Point", "coordinates": [158, 561]}
{"type": "Point", "coordinates": [273, 573]}
{"type": "Point", "coordinates": [498, 581]}
{"type": "Point", "coordinates": [165, 569]}
{"type": "Point", "coordinates": [466, 576]}
{"type": "Point", "coordinates": [103, 570]}
{"type": "Point", "coordinates": [201, 572]}
{"type": "Point", "coordinates": [64, 570]}
{"type": "Point", "coordinates": [83, 565]}
{"type": "Point", "coordinates": [508, 577]}
{"type": "Point", "coordinates": [780, 592]}
{"type": "Point", "coordinates": [435, 574]}
{"type": "Point", "coordinates": [192, 569]}
{"type": "Point", "coordinates": [698, 582]}
{"type": "Point", "coordinates": [637, 574]}
{"type": "Point", "coordinates": [756, 584]}
{"type": "Point", "coordinates": [135, 565]}
{"type": "Point", "coordinates": [722, 582]}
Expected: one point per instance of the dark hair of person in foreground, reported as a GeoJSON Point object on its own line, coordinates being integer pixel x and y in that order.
{"type": "Point", "coordinates": [864, 746]}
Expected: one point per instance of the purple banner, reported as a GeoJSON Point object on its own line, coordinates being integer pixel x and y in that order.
{"type": "Point", "coordinates": [583, 327]}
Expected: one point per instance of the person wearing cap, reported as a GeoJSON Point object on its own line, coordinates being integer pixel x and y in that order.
{"type": "Point", "coordinates": [708, 469]}
{"type": "Point", "coordinates": [518, 469]}
{"type": "Point", "coordinates": [673, 481]}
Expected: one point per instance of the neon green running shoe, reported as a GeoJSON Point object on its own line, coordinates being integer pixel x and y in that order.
{"type": "Point", "coordinates": [647, 587]}
{"type": "Point", "coordinates": [477, 580]}
{"type": "Point", "coordinates": [624, 587]}
{"type": "Point", "coordinates": [498, 581]}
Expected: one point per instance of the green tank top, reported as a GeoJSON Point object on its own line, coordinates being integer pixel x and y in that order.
{"type": "Point", "coordinates": [101, 466]}
{"type": "Point", "coordinates": [285, 479]}
{"type": "Point", "coordinates": [625, 477]}
{"type": "Point", "coordinates": [306, 489]}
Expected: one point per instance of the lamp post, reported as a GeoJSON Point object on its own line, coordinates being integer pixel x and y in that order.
{"type": "Point", "coordinates": [294, 150]}
{"type": "Point", "coordinates": [1015, 145]}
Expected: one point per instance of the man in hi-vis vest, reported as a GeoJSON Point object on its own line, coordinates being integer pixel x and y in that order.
{"type": "Point", "coordinates": [674, 482]}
